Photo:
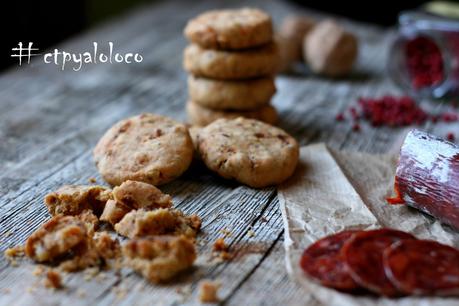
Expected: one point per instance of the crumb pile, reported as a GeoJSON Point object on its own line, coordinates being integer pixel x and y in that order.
{"type": "Point", "coordinates": [161, 240]}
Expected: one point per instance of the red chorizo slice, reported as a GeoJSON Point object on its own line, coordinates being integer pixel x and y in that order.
{"type": "Point", "coordinates": [423, 267]}
{"type": "Point", "coordinates": [322, 261]}
{"type": "Point", "coordinates": [363, 256]}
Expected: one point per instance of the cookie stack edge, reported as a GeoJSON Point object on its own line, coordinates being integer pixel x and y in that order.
{"type": "Point", "coordinates": [232, 59]}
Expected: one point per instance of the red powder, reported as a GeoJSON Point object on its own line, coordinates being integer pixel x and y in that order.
{"type": "Point", "coordinates": [356, 127]}
{"type": "Point", "coordinates": [339, 117]}
{"type": "Point", "coordinates": [424, 62]}
{"type": "Point", "coordinates": [450, 136]}
{"type": "Point", "coordinates": [392, 111]}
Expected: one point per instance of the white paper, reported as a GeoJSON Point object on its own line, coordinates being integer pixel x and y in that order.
{"type": "Point", "coordinates": [333, 191]}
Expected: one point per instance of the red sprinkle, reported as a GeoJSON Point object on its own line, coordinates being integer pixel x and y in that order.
{"type": "Point", "coordinates": [450, 136]}
{"type": "Point", "coordinates": [392, 111]}
{"type": "Point", "coordinates": [339, 117]}
{"type": "Point", "coordinates": [356, 127]}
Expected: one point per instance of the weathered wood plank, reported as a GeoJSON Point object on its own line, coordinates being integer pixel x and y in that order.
{"type": "Point", "coordinates": [50, 121]}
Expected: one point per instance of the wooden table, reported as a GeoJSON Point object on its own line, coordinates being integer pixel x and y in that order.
{"type": "Point", "coordinates": [51, 119]}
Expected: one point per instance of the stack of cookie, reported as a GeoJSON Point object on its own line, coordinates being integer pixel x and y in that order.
{"type": "Point", "coordinates": [232, 60]}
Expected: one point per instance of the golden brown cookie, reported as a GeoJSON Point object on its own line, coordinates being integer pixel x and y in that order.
{"type": "Point", "coordinates": [330, 50]}
{"type": "Point", "coordinates": [203, 116]}
{"type": "Point", "coordinates": [293, 29]}
{"type": "Point", "coordinates": [230, 29]}
{"type": "Point", "coordinates": [249, 151]}
{"type": "Point", "coordinates": [229, 65]}
{"type": "Point", "coordinates": [231, 95]}
{"type": "Point", "coordinates": [159, 258]}
{"type": "Point", "coordinates": [147, 148]}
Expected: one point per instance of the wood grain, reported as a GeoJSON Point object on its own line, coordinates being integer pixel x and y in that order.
{"type": "Point", "coordinates": [51, 120]}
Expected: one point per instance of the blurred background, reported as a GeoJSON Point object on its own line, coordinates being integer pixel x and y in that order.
{"type": "Point", "coordinates": [48, 23]}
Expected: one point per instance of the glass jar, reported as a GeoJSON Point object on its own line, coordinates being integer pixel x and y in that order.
{"type": "Point", "coordinates": [424, 58]}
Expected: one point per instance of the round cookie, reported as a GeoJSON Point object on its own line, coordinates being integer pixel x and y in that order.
{"type": "Point", "coordinates": [330, 50]}
{"type": "Point", "coordinates": [249, 151]}
{"type": "Point", "coordinates": [230, 29]}
{"type": "Point", "coordinates": [203, 116]}
{"type": "Point", "coordinates": [227, 65]}
{"type": "Point", "coordinates": [231, 95]}
{"type": "Point", "coordinates": [147, 148]}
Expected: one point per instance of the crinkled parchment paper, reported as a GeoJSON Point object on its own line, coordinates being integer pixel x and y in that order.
{"type": "Point", "coordinates": [333, 191]}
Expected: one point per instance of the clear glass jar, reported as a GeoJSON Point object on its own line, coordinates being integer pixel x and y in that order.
{"type": "Point", "coordinates": [424, 58]}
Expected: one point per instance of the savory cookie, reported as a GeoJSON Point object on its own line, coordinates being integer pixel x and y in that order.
{"type": "Point", "coordinates": [250, 151]}
{"type": "Point", "coordinates": [203, 116]}
{"type": "Point", "coordinates": [228, 65]}
{"type": "Point", "coordinates": [148, 148]}
{"type": "Point", "coordinates": [230, 29]}
{"type": "Point", "coordinates": [231, 95]}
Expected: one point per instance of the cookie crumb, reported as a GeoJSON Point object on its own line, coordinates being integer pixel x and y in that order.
{"type": "Point", "coordinates": [119, 292]}
{"type": "Point", "coordinates": [226, 232]}
{"type": "Point", "coordinates": [38, 271]}
{"type": "Point", "coordinates": [92, 180]}
{"type": "Point", "coordinates": [208, 291]}
{"type": "Point", "coordinates": [53, 280]}
{"type": "Point", "coordinates": [250, 233]}
{"type": "Point", "coordinates": [220, 245]}
{"type": "Point", "coordinates": [90, 273]}
{"type": "Point", "coordinates": [16, 251]}
{"type": "Point", "coordinates": [107, 247]}
{"type": "Point", "coordinates": [81, 293]}
{"type": "Point", "coordinates": [222, 248]}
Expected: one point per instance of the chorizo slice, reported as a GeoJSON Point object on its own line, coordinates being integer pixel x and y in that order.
{"type": "Point", "coordinates": [423, 267]}
{"type": "Point", "coordinates": [323, 262]}
{"type": "Point", "coordinates": [363, 256]}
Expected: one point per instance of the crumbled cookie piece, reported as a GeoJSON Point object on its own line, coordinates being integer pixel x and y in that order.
{"type": "Point", "coordinates": [159, 258]}
{"type": "Point", "coordinates": [90, 221]}
{"type": "Point", "coordinates": [208, 291]}
{"type": "Point", "coordinates": [83, 255]}
{"type": "Point", "coordinates": [74, 199]}
{"type": "Point", "coordinates": [133, 195]}
{"type": "Point", "coordinates": [107, 247]}
{"type": "Point", "coordinates": [53, 280]}
{"type": "Point", "coordinates": [141, 195]}
{"type": "Point", "coordinates": [162, 221]}
{"type": "Point", "coordinates": [55, 238]}
{"type": "Point", "coordinates": [64, 239]}
{"type": "Point", "coordinates": [114, 211]}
